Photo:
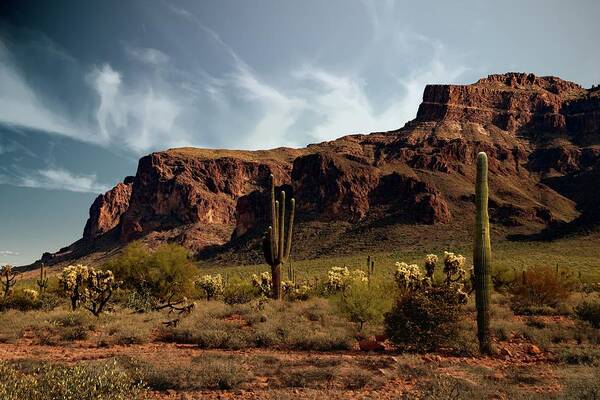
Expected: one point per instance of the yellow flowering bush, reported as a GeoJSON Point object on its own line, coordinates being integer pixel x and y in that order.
{"type": "Point", "coordinates": [212, 285]}
{"type": "Point", "coordinates": [263, 283]}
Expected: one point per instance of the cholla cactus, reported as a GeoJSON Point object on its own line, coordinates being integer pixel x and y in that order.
{"type": "Point", "coordinates": [9, 278]}
{"type": "Point", "coordinates": [263, 282]}
{"type": "Point", "coordinates": [340, 278]}
{"type": "Point", "coordinates": [293, 291]}
{"type": "Point", "coordinates": [72, 281]}
{"type": "Point", "coordinates": [337, 279]}
{"type": "Point", "coordinates": [88, 287]}
{"type": "Point", "coordinates": [31, 295]}
{"type": "Point", "coordinates": [212, 285]}
{"type": "Point", "coordinates": [454, 267]}
{"type": "Point", "coordinates": [430, 263]}
{"type": "Point", "coordinates": [408, 276]}
{"type": "Point", "coordinates": [287, 287]}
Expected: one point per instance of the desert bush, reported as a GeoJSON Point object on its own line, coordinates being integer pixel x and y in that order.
{"type": "Point", "coordinates": [589, 311]}
{"type": "Point", "coordinates": [239, 292]}
{"type": "Point", "coordinates": [106, 381]}
{"type": "Point", "coordinates": [424, 320]}
{"type": "Point", "coordinates": [586, 355]}
{"type": "Point", "coordinates": [363, 303]}
{"type": "Point", "coordinates": [307, 377]}
{"type": "Point", "coordinates": [161, 273]}
{"type": "Point", "coordinates": [126, 328]}
{"type": "Point", "coordinates": [24, 300]}
{"type": "Point", "coordinates": [210, 285]}
{"type": "Point", "coordinates": [539, 291]}
{"type": "Point", "coordinates": [309, 325]}
{"type": "Point", "coordinates": [582, 388]}
{"type": "Point", "coordinates": [204, 372]}
{"type": "Point", "coordinates": [504, 279]}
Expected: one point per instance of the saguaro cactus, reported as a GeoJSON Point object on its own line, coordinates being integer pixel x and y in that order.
{"type": "Point", "coordinates": [42, 281]}
{"type": "Point", "coordinates": [482, 255]}
{"type": "Point", "coordinates": [277, 242]}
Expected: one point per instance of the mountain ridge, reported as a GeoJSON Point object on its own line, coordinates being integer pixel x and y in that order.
{"type": "Point", "coordinates": [542, 136]}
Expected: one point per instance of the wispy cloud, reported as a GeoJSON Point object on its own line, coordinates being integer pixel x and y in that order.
{"type": "Point", "coordinates": [55, 179]}
{"type": "Point", "coordinates": [141, 117]}
{"type": "Point", "coordinates": [148, 55]}
{"type": "Point", "coordinates": [156, 102]}
{"type": "Point", "coordinates": [20, 104]}
{"type": "Point", "coordinates": [8, 253]}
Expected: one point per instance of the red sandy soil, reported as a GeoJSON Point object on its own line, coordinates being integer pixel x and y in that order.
{"type": "Point", "coordinates": [259, 387]}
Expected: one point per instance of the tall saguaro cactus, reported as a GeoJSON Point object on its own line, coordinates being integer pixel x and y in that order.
{"type": "Point", "coordinates": [482, 255]}
{"type": "Point", "coordinates": [277, 242]}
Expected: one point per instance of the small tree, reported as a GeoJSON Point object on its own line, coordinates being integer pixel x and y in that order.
{"type": "Point", "coordinates": [9, 278]}
{"type": "Point", "coordinates": [362, 303]}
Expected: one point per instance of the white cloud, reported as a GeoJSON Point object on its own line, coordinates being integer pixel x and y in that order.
{"type": "Point", "coordinates": [141, 117]}
{"type": "Point", "coordinates": [57, 179]}
{"type": "Point", "coordinates": [7, 253]}
{"type": "Point", "coordinates": [148, 55]}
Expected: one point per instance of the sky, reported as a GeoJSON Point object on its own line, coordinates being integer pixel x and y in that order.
{"type": "Point", "coordinates": [88, 87]}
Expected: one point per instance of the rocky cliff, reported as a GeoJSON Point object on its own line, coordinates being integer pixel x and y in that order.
{"type": "Point", "coordinates": [542, 135]}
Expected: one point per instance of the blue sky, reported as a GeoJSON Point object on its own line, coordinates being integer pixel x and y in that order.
{"type": "Point", "coordinates": [87, 87]}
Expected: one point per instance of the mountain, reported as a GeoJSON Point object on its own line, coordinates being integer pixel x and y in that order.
{"type": "Point", "coordinates": [377, 191]}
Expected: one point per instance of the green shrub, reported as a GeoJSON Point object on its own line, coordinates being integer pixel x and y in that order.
{"type": "Point", "coordinates": [589, 311]}
{"type": "Point", "coordinates": [161, 273]}
{"type": "Point", "coordinates": [362, 303]}
{"type": "Point", "coordinates": [305, 377]}
{"type": "Point", "coordinates": [24, 300]}
{"type": "Point", "coordinates": [424, 320]}
{"type": "Point", "coordinates": [106, 381]}
{"type": "Point", "coordinates": [204, 372]}
{"type": "Point", "coordinates": [504, 279]}
{"type": "Point", "coordinates": [586, 355]}
{"type": "Point", "coordinates": [239, 292]}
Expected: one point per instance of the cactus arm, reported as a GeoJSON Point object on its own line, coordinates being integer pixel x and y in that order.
{"type": "Point", "coordinates": [482, 256]}
{"type": "Point", "coordinates": [281, 232]}
{"type": "Point", "coordinates": [290, 227]}
{"type": "Point", "coordinates": [274, 210]}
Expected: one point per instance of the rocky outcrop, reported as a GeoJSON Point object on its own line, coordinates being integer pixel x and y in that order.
{"type": "Point", "coordinates": [541, 134]}
{"type": "Point", "coordinates": [107, 209]}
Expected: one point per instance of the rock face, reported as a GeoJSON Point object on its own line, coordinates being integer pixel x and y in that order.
{"type": "Point", "coordinates": [107, 209]}
{"type": "Point", "coordinates": [542, 136]}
